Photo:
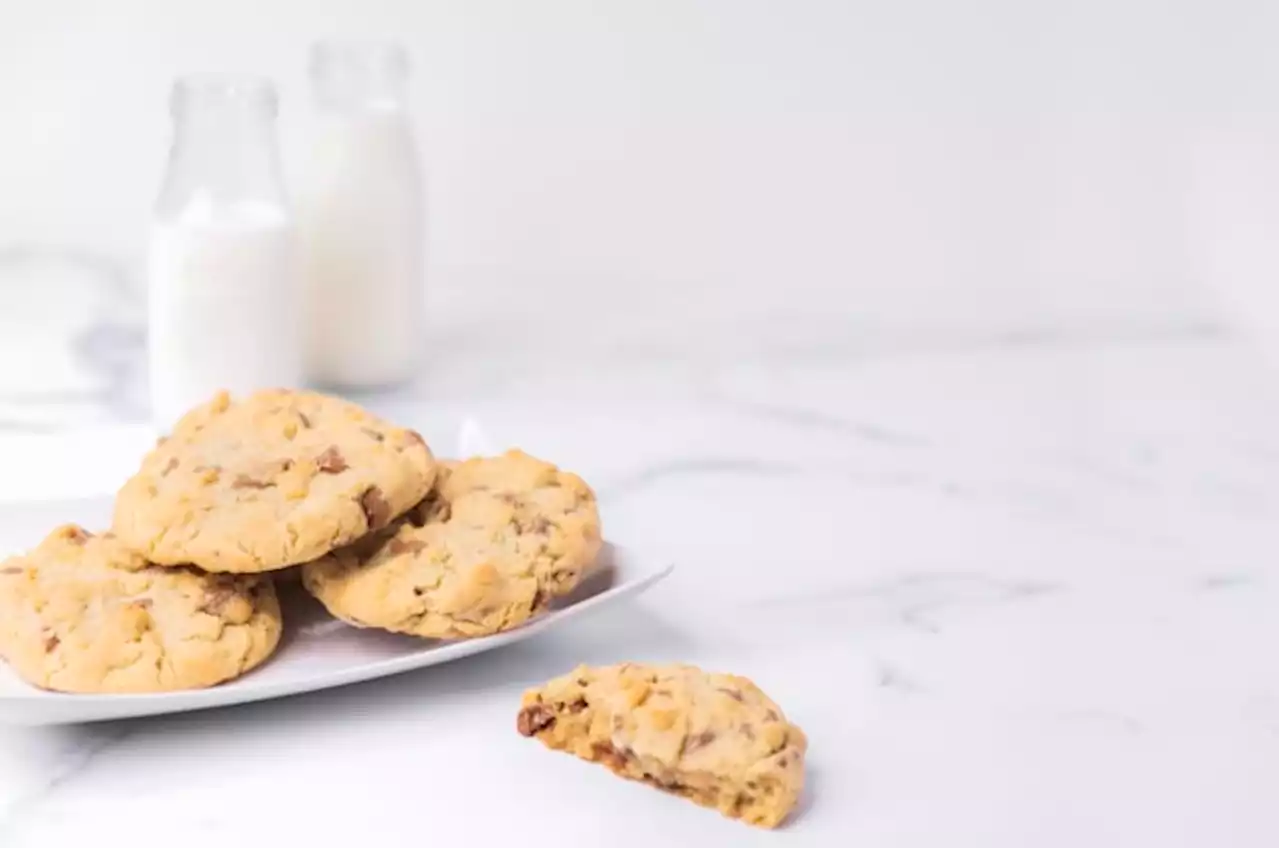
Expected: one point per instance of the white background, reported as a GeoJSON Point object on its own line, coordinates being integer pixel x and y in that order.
{"type": "Point", "coordinates": [713, 170]}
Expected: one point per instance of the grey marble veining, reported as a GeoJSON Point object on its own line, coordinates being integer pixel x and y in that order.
{"type": "Point", "coordinates": [1019, 590]}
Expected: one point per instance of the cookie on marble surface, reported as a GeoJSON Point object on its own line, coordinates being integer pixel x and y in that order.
{"type": "Point", "coordinates": [83, 613]}
{"type": "Point", "coordinates": [492, 545]}
{"type": "Point", "coordinates": [279, 478]}
{"type": "Point", "coordinates": [715, 739]}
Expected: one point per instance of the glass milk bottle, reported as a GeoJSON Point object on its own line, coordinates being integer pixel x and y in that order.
{"type": "Point", "coordinates": [361, 221]}
{"type": "Point", "coordinates": [222, 302]}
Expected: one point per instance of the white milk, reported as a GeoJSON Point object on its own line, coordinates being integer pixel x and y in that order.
{"type": "Point", "coordinates": [222, 293]}
{"type": "Point", "coordinates": [361, 221]}
{"type": "Point", "coordinates": [222, 303]}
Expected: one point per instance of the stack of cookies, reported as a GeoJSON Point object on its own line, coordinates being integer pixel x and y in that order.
{"type": "Point", "coordinates": [178, 593]}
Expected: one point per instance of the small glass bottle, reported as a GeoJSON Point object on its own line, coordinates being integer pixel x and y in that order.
{"type": "Point", "coordinates": [222, 299]}
{"type": "Point", "coordinates": [362, 221]}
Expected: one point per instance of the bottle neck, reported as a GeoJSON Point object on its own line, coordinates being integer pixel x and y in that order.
{"type": "Point", "coordinates": [359, 77]}
{"type": "Point", "coordinates": [227, 157]}
{"type": "Point", "coordinates": [224, 146]}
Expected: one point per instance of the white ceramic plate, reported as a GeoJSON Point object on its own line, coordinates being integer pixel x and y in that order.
{"type": "Point", "coordinates": [316, 652]}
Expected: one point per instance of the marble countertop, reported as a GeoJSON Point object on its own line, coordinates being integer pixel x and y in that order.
{"type": "Point", "coordinates": [1018, 592]}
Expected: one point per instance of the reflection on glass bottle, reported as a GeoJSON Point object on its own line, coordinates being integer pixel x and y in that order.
{"type": "Point", "coordinates": [222, 303]}
{"type": "Point", "coordinates": [361, 220]}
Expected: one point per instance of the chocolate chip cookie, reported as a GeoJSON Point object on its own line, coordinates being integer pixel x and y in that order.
{"type": "Point", "coordinates": [83, 613]}
{"type": "Point", "coordinates": [715, 739]}
{"type": "Point", "coordinates": [495, 541]}
{"type": "Point", "coordinates": [276, 479]}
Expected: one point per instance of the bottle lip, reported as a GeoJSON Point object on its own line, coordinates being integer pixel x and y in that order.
{"type": "Point", "coordinates": [227, 91]}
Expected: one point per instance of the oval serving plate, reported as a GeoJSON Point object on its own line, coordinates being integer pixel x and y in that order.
{"type": "Point", "coordinates": [316, 650]}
